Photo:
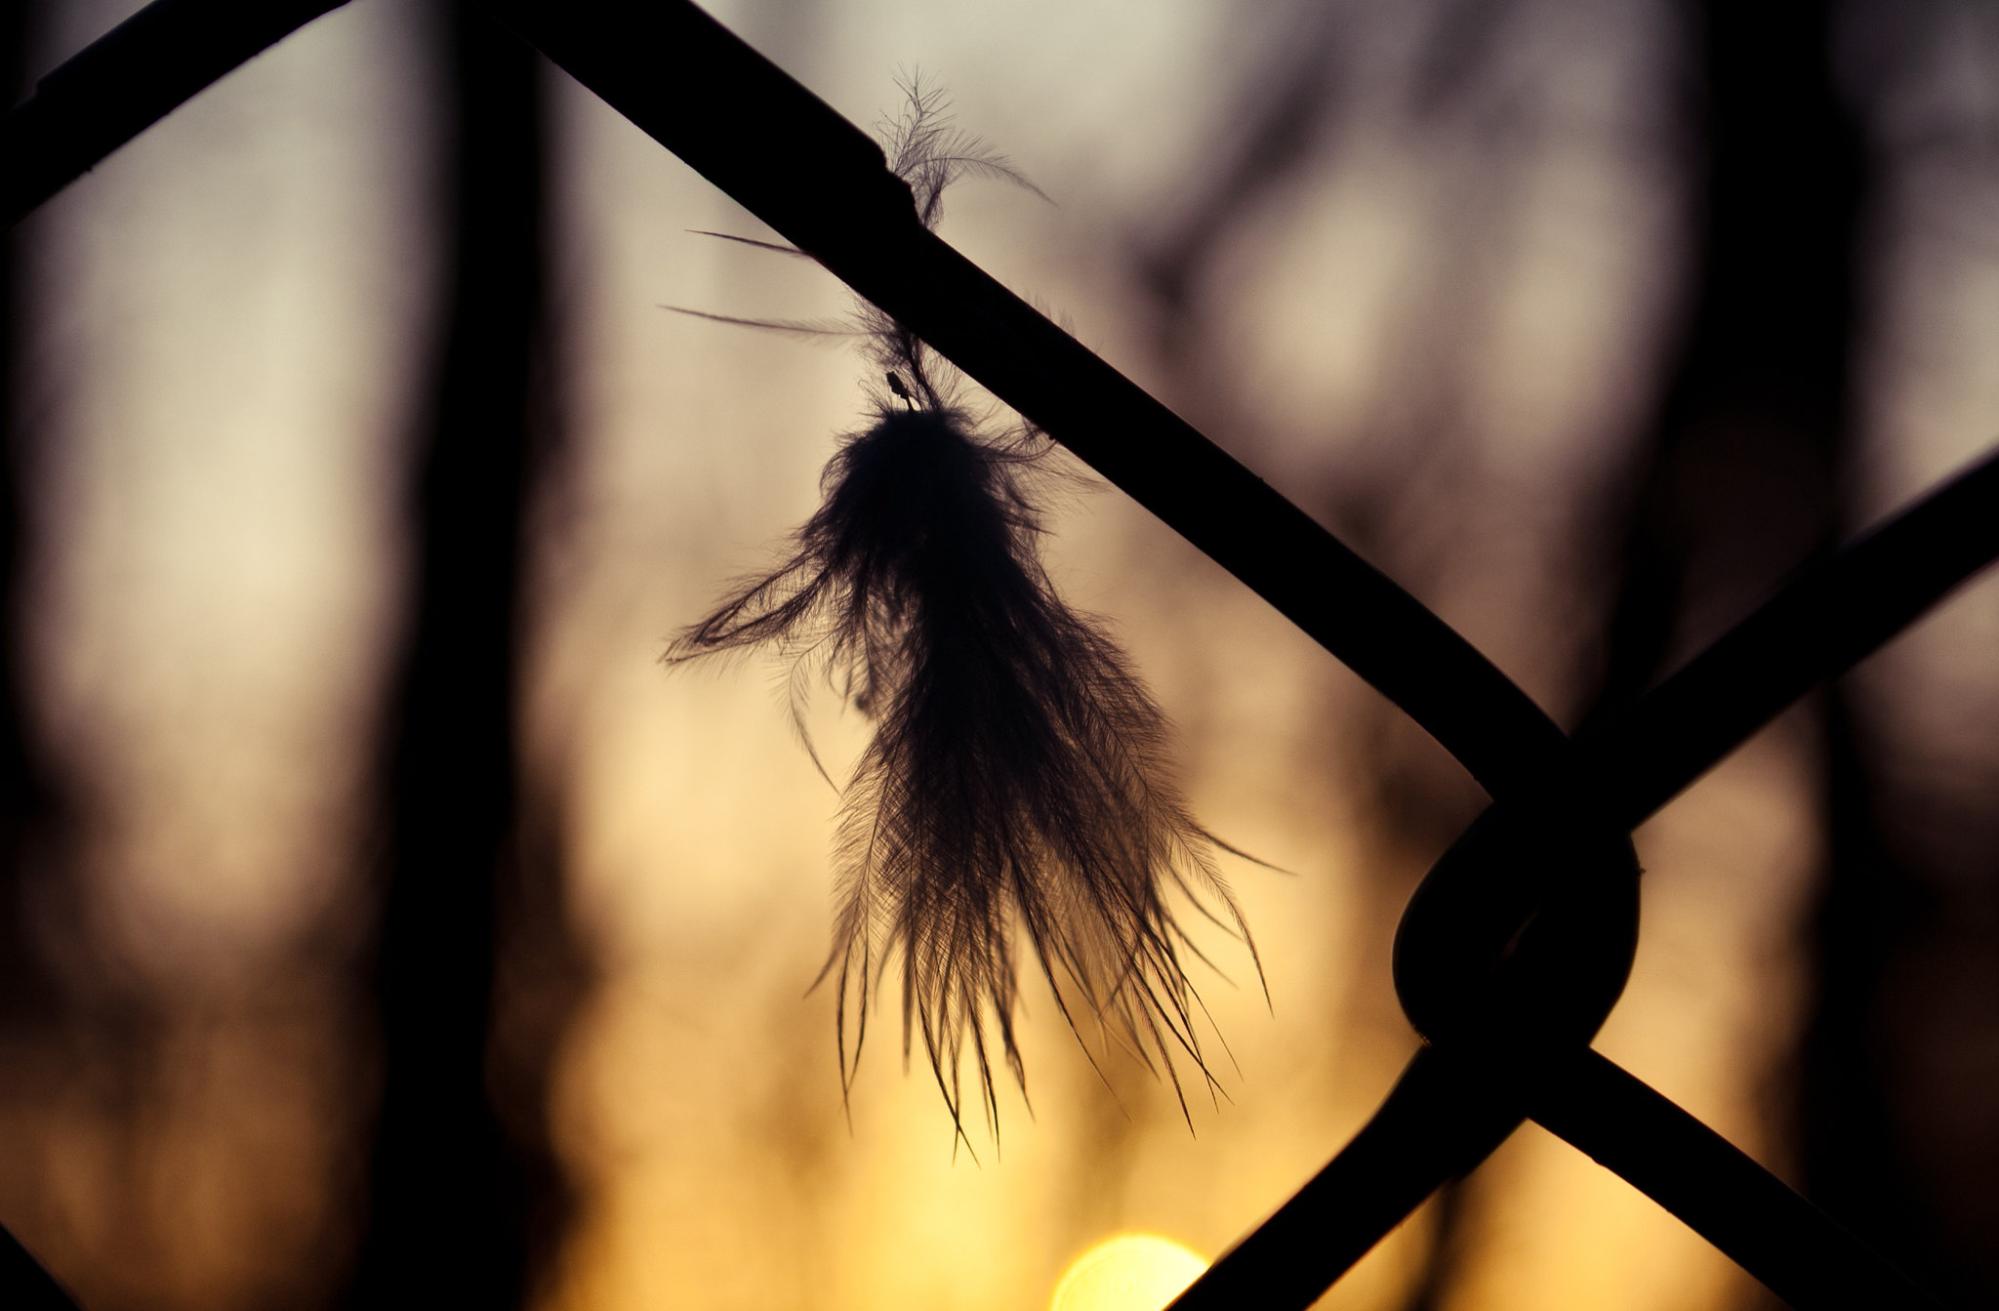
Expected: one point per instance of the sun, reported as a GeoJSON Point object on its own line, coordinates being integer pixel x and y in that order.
{"type": "Point", "coordinates": [1131, 1272]}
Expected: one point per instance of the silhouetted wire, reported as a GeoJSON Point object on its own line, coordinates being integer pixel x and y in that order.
{"type": "Point", "coordinates": [126, 81]}
{"type": "Point", "coordinates": [1797, 1251]}
{"type": "Point", "coordinates": [825, 187]}
{"type": "Point", "coordinates": [1829, 616]}
{"type": "Point", "coordinates": [1826, 618]}
{"type": "Point", "coordinates": [24, 1284]}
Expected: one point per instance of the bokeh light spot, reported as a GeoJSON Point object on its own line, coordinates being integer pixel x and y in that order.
{"type": "Point", "coordinates": [1131, 1272]}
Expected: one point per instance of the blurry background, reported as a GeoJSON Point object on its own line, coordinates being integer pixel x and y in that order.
{"type": "Point", "coordinates": [372, 897]}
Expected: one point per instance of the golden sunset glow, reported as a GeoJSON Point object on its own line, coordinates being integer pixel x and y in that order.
{"type": "Point", "coordinates": [1132, 1272]}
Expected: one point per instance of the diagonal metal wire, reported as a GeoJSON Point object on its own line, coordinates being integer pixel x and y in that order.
{"type": "Point", "coordinates": [126, 81]}
{"type": "Point", "coordinates": [1628, 1127]}
{"type": "Point", "coordinates": [1825, 619]}
{"type": "Point", "coordinates": [821, 182]}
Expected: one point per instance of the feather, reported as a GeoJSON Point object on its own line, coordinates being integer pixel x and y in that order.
{"type": "Point", "coordinates": [1016, 782]}
{"type": "Point", "coordinates": [816, 329]}
{"type": "Point", "coordinates": [773, 246]}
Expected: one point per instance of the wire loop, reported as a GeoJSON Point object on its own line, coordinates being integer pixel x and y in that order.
{"type": "Point", "coordinates": [1524, 930]}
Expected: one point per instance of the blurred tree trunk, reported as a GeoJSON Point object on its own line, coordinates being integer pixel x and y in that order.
{"type": "Point", "coordinates": [25, 791]}
{"type": "Point", "coordinates": [1867, 913]}
{"type": "Point", "coordinates": [1748, 468]}
{"type": "Point", "coordinates": [1289, 115]}
{"type": "Point", "coordinates": [1735, 480]}
{"type": "Point", "coordinates": [49, 1035]}
{"type": "Point", "coordinates": [37, 895]}
{"type": "Point", "coordinates": [1739, 476]}
{"type": "Point", "coordinates": [464, 1197]}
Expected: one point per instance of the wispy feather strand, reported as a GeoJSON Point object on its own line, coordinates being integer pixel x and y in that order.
{"type": "Point", "coordinates": [1016, 780]}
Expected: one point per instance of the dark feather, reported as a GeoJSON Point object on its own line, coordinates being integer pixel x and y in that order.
{"type": "Point", "coordinates": [1016, 776]}
{"type": "Point", "coordinates": [929, 152]}
{"type": "Point", "coordinates": [774, 247]}
{"type": "Point", "coordinates": [1016, 781]}
{"type": "Point", "coordinates": [820, 329]}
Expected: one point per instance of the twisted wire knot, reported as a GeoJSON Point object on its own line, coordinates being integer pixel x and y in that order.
{"type": "Point", "coordinates": [1523, 932]}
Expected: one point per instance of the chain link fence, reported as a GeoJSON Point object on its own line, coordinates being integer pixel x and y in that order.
{"type": "Point", "coordinates": [1519, 942]}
